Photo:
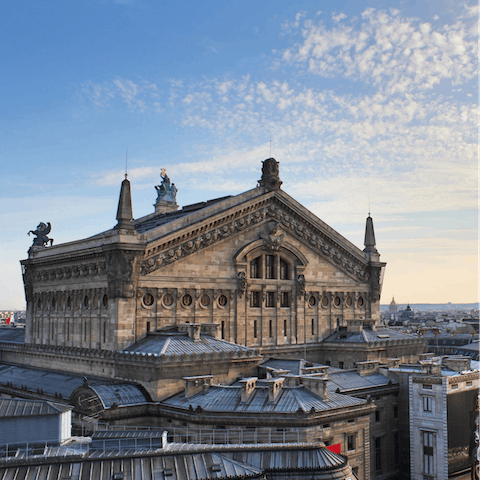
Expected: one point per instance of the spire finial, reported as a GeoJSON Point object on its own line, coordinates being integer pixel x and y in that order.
{"type": "Point", "coordinates": [126, 162]}
{"type": "Point", "coordinates": [124, 211]}
{"type": "Point", "coordinates": [369, 236]}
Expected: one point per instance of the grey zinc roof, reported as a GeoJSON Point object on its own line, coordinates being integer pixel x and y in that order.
{"type": "Point", "coordinates": [53, 383]}
{"type": "Point", "coordinates": [181, 343]}
{"type": "Point", "coordinates": [351, 380]}
{"type": "Point", "coordinates": [17, 407]}
{"type": "Point", "coordinates": [12, 334]}
{"type": "Point", "coordinates": [151, 222]}
{"type": "Point", "coordinates": [368, 336]}
{"type": "Point", "coordinates": [228, 399]}
{"type": "Point", "coordinates": [121, 394]}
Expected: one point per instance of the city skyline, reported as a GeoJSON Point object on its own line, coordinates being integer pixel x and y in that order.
{"type": "Point", "coordinates": [368, 108]}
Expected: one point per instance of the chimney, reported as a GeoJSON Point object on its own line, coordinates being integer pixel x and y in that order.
{"type": "Point", "coordinates": [319, 370]}
{"type": "Point", "coordinates": [432, 366]}
{"type": "Point", "coordinates": [316, 385]}
{"type": "Point", "coordinates": [457, 363]}
{"type": "Point", "coordinates": [354, 326]}
{"type": "Point", "coordinates": [247, 386]}
{"type": "Point", "coordinates": [193, 385]}
{"type": "Point", "coordinates": [393, 362]}
{"type": "Point", "coordinates": [274, 388]}
{"type": "Point", "coordinates": [124, 211]}
{"type": "Point", "coordinates": [193, 331]}
{"type": "Point", "coordinates": [365, 368]}
{"type": "Point", "coordinates": [210, 329]}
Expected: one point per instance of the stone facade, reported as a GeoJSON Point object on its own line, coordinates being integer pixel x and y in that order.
{"type": "Point", "coordinates": [261, 266]}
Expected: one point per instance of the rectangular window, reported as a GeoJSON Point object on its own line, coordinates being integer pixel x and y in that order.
{"type": "Point", "coordinates": [340, 365]}
{"type": "Point", "coordinates": [285, 328]}
{"type": "Point", "coordinates": [327, 363]}
{"type": "Point", "coordinates": [255, 299]}
{"type": "Point", "coordinates": [283, 270]}
{"type": "Point", "coordinates": [254, 329]}
{"type": "Point", "coordinates": [454, 386]}
{"type": "Point", "coordinates": [469, 384]}
{"type": "Point", "coordinates": [427, 387]}
{"type": "Point", "coordinates": [284, 299]}
{"type": "Point", "coordinates": [223, 329]}
{"type": "Point", "coordinates": [351, 442]}
{"type": "Point", "coordinates": [148, 327]}
{"type": "Point", "coordinates": [378, 454]}
{"type": "Point", "coordinates": [377, 416]}
{"type": "Point", "coordinates": [85, 331]}
{"type": "Point", "coordinates": [395, 411]}
{"type": "Point", "coordinates": [104, 332]}
{"type": "Point", "coordinates": [255, 268]}
{"type": "Point", "coordinates": [270, 266]}
{"type": "Point", "coordinates": [270, 300]}
{"type": "Point", "coordinates": [68, 330]}
{"type": "Point", "coordinates": [396, 443]}
{"type": "Point", "coordinates": [427, 440]}
{"type": "Point", "coordinates": [313, 327]}
{"type": "Point", "coordinates": [427, 404]}
{"type": "Point", "coordinates": [270, 328]}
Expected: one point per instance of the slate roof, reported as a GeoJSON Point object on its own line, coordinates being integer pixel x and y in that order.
{"type": "Point", "coordinates": [150, 222]}
{"type": "Point", "coordinates": [121, 394]}
{"type": "Point", "coordinates": [347, 380]}
{"type": "Point", "coordinates": [53, 383]}
{"type": "Point", "coordinates": [368, 336]}
{"type": "Point", "coordinates": [221, 398]}
{"type": "Point", "coordinates": [182, 462]}
{"type": "Point", "coordinates": [17, 407]}
{"type": "Point", "coordinates": [180, 343]}
{"type": "Point", "coordinates": [12, 334]}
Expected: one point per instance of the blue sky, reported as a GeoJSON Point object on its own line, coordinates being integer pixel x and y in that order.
{"type": "Point", "coordinates": [365, 101]}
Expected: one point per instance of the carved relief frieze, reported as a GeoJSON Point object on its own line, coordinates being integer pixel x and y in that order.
{"type": "Point", "coordinates": [44, 275]}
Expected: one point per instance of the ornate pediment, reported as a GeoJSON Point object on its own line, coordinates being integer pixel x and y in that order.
{"type": "Point", "coordinates": [274, 213]}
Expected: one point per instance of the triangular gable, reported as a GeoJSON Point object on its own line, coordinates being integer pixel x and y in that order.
{"type": "Point", "coordinates": [275, 206]}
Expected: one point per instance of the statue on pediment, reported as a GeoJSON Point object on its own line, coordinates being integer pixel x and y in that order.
{"type": "Point", "coordinates": [166, 191]}
{"type": "Point", "coordinates": [41, 232]}
{"type": "Point", "coordinates": [270, 174]}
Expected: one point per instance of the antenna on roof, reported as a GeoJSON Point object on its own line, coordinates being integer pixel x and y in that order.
{"type": "Point", "coordinates": [126, 162]}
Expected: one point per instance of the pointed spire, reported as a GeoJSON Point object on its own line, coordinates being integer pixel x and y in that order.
{"type": "Point", "coordinates": [124, 212]}
{"type": "Point", "coordinates": [369, 236]}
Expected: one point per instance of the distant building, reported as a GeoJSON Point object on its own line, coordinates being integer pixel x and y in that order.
{"type": "Point", "coordinates": [439, 416]}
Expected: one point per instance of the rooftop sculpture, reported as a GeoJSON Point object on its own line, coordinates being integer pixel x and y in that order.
{"type": "Point", "coordinates": [41, 232]}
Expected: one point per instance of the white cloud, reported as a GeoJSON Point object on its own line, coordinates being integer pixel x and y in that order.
{"type": "Point", "coordinates": [394, 53]}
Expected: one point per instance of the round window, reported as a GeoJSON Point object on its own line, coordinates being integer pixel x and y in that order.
{"type": "Point", "coordinates": [324, 301]}
{"type": "Point", "coordinates": [187, 300]}
{"type": "Point", "coordinates": [168, 300]}
{"type": "Point", "coordinates": [69, 302]}
{"type": "Point", "coordinates": [337, 301]}
{"type": "Point", "coordinates": [360, 301]}
{"type": "Point", "coordinates": [222, 300]}
{"type": "Point", "coordinates": [54, 302]}
{"type": "Point", "coordinates": [348, 301]}
{"type": "Point", "coordinates": [148, 300]}
{"type": "Point", "coordinates": [312, 301]}
{"type": "Point", "coordinates": [39, 303]}
{"type": "Point", "coordinates": [205, 300]}
{"type": "Point", "coordinates": [105, 300]}
{"type": "Point", "coordinates": [86, 301]}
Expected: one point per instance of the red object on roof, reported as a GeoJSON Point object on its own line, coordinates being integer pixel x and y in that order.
{"type": "Point", "coordinates": [336, 448]}
{"type": "Point", "coordinates": [7, 321]}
